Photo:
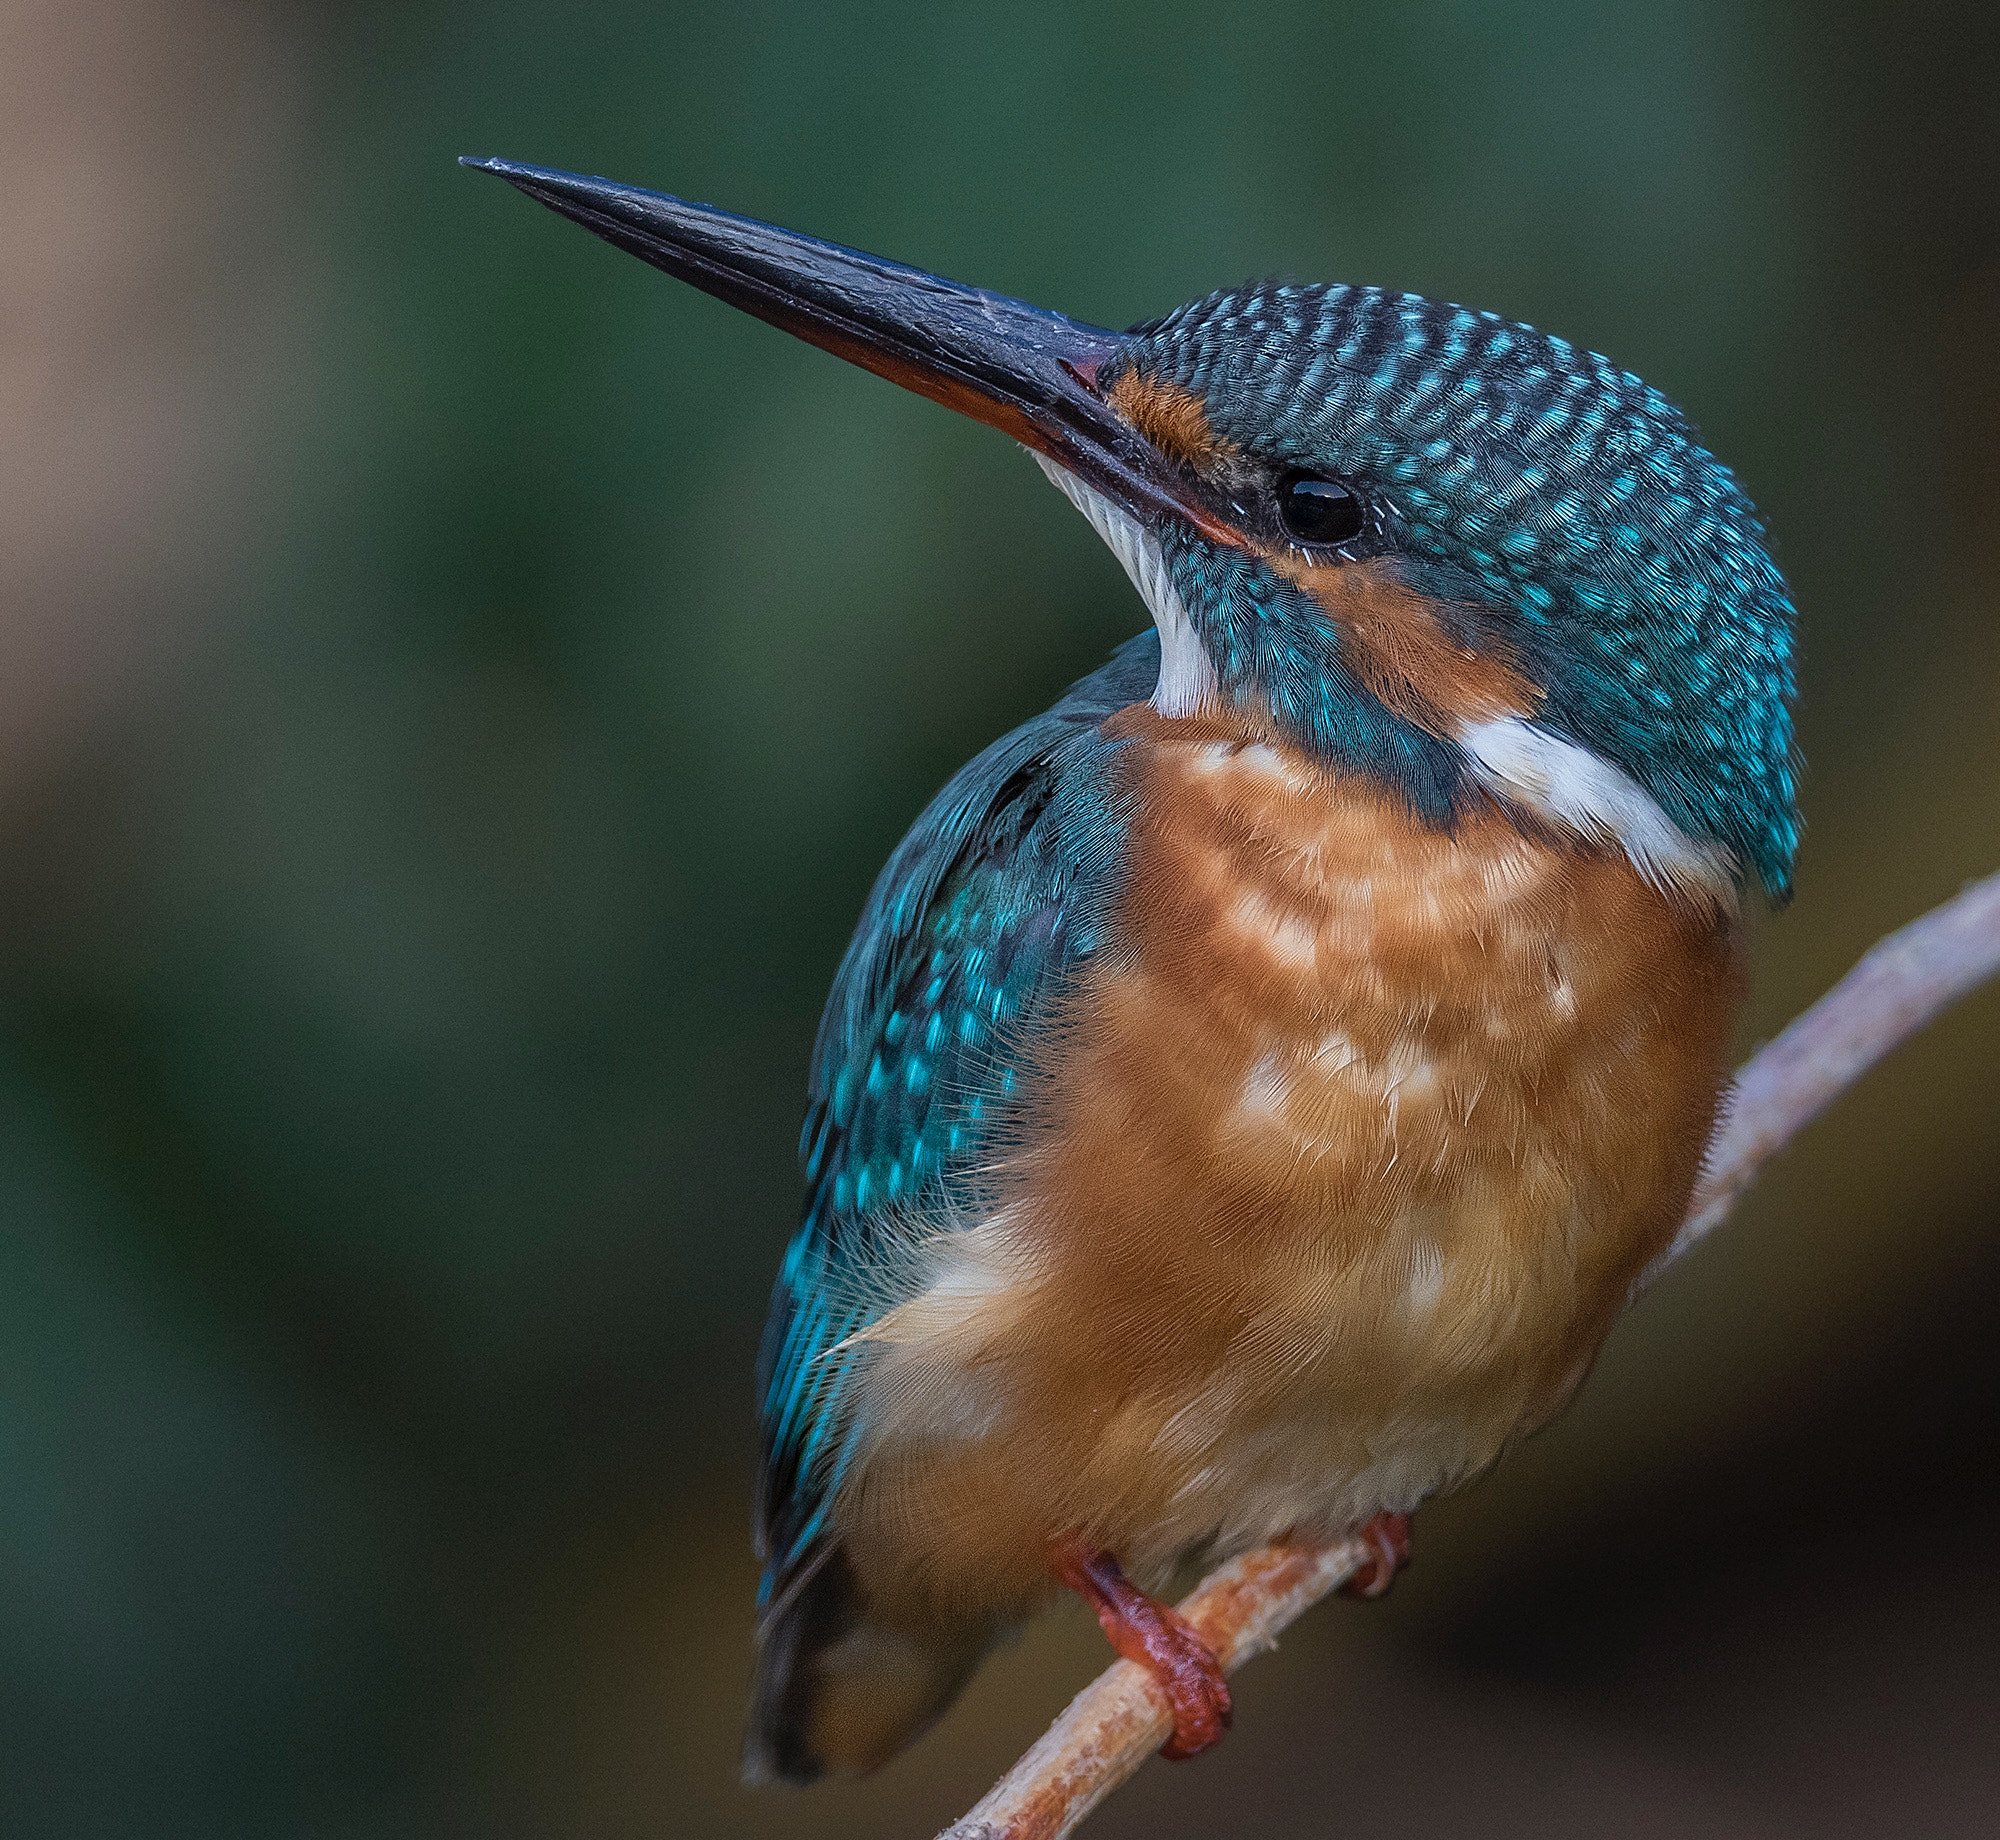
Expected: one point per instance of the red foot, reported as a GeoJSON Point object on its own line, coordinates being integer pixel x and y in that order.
{"type": "Point", "coordinates": [1388, 1537]}
{"type": "Point", "coordinates": [1160, 1640]}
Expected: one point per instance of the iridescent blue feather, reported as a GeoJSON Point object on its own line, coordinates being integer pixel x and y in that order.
{"type": "Point", "coordinates": [999, 892]}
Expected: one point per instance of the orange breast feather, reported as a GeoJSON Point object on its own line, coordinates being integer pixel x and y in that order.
{"type": "Point", "coordinates": [1331, 1186]}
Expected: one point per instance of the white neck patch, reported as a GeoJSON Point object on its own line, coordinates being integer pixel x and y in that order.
{"type": "Point", "coordinates": [1187, 677]}
{"type": "Point", "coordinates": [1566, 784]}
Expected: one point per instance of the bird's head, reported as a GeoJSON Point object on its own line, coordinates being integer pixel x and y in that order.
{"type": "Point", "coordinates": [1421, 543]}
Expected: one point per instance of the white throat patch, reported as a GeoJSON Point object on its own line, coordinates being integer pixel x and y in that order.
{"type": "Point", "coordinates": [1187, 678]}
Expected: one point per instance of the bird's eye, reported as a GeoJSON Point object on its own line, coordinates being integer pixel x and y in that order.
{"type": "Point", "coordinates": [1319, 510]}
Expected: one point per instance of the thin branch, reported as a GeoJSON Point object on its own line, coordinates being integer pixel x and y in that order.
{"type": "Point", "coordinates": [1120, 1719]}
{"type": "Point", "coordinates": [1900, 983]}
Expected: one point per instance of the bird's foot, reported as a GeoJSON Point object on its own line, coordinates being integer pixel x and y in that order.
{"type": "Point", "coordinates": [1160, 1640]}
{"type": "Point", "coordinates": [1388, 1539]}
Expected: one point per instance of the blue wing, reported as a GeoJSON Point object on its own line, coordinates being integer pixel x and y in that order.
{"type": "Point", "coordinates": [989, 904]}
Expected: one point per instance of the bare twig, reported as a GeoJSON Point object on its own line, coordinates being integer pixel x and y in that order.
{"type": "Point", "coordinates": [1120, 1719]}
{"type": "Point", "coordinates": [1899, 985]}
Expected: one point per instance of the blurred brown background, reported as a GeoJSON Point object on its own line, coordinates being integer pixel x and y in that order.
{"type": "Point", "coordinates": [457, 688]}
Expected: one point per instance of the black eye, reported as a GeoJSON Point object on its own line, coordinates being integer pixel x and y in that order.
{"type": "Point", "coordinates": [1319, 510]}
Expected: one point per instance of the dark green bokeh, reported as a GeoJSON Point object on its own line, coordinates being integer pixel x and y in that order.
{"type": "Point", "coordinates": [406, 1007]}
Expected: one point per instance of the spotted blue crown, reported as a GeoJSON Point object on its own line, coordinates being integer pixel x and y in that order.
{"type": "Point", "coordinates": [1550, 491]}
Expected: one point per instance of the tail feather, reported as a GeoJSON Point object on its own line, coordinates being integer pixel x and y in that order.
{"type": "Point", "coordinates": [839, 1691]}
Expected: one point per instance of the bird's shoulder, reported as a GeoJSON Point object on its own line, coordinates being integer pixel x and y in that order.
{"type": "Point", "coordinates": [1025, 822]}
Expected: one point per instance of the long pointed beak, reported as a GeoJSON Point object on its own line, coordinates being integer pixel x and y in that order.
{"type": "Point", "coordinates": [1022, 369]}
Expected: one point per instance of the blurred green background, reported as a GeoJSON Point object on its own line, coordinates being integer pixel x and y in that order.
{"type": "Point", "coordinates": [458, 687]}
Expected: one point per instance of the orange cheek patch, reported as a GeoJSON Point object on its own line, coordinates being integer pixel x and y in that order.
{"type": "Point", "coordinates": [1173, 419]}
{"type": "Point", "coordinates": [1401, 649]}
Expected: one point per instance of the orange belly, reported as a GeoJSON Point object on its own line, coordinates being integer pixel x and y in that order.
{"type": "Point", "coordinates": [1334, 1181]}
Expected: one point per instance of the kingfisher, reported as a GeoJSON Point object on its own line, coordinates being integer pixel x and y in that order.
{"type": "Point", "coordinates": [1254, 1084]}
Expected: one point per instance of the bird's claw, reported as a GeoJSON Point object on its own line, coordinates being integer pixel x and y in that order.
{"type": "Point", "coordinates": [1160, 1640]}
